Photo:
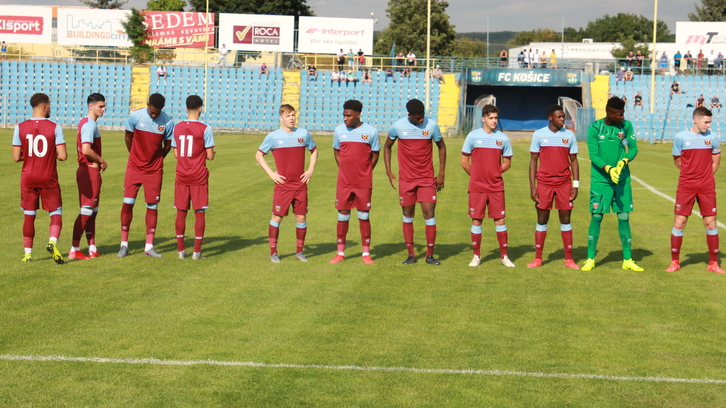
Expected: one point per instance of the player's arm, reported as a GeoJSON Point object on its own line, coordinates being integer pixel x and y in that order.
{"type": "Point", "coordinates": [129, 137]}
{"type": "Point", "coordinates": [61, 152]}
{"type": "Point", "coordinates": [336, 155]}
{"type": "Point", "coordinates": [387, 160]}
{"type": "Point", "coordinates": [166, 148]}
{"type": "Point", "coordinates": [374, 159]}
{"type": "Point", "coordinates": [305, 177]}
{"type": "Point", "coordinates": [533, 161]}
{"type": "Point", "coordinates": [442, 164]}
{"type": "Point", "coordinates": [210, 153]}
{"type": "Point", "coordinates": [260, 157]}
{"type": "Point", "coordinates": [677, 162]}
{"type": "Point", "coordinates": [632, 143]}
{"type": "Point", "coordinates": [715, 161]}
{"type": "Point", "coordinates": [506, 163]}
{"type": "Point", "coordinates": [466, 163]}
{"type": "Point", "coordinates": [18, 154]}
{"type": "Point", "coordinates": [593, 148]}
{"type": "Point", "coordinates": [93, 156]}
{"type": "Point", "coordinates": [575, 167]}
{"type": "Point", "coordinates": [209, 143]}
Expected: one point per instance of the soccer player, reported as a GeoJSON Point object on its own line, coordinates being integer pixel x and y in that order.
{"type": "Point", "coordinates": [356, 147]}
{"type": "Point", "coordinates": [148, 139]}
{"type": "Point", "coordinates": [288, 146]}
{"type": "Point", "coordinates": [486, 154]}
{"type": "Point", "coordinates": [88, 177]}
{"type": "Point", "coordinates": [557, 148]}
{"type": "Point", "coordinates": [416, 181]}
{"type": "Point", "coordinates": [697, 153]}
{"type": "Point", "coordinates": [612, 145]}
{"type": "Point", "coordinates": [38, 143]}
{"type": "Point", "coordinates": [193, 145]}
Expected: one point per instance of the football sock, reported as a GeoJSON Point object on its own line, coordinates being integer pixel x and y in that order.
{"type": "Point", "coordinates": [200, 223]}
{"type": "Point", "coordinates": [593, 233]}
{"type": "Point", "coordinates": [28, 230]}
{"type": "Point", "coordinates": [430, 236]}
{"type": "Point", "coordinates": [408, 234]}
{"type": "Point", "coordinates": [56, 223]}
{"type": "Point", "coordinates": [676, 241]}
{"type": "Point", "coordinates": [91, 231]}
{"type": "Point", "coordinates": [712, 240]}
{"type": "Point", "coordinates": [301, 228]}
{"type": "Point", "coordinates": [342, 232]}
{"type": "Point", "coordinates": [180, 225]}
{"type": "Point", "coordinates": [79, 226]}
{"type": "Point", "coordinates": [503, 238]}
{"type": "Point", "coordinates": [127, 215]}
{"type": "Point", "coordinates": [566, 232]}
{"type": "Point", "coordinates": [476, 239]}
{"type": "Point", "coordinates": [151, 218]}
{"type": "Point", "coordinates": [272, 233]}
{"type": "Point", "coordinates": [540, 233]}
{"type": "Point", "coordinates": [625, 237]}
{"type": "Point", "coordinates": [365, 231]}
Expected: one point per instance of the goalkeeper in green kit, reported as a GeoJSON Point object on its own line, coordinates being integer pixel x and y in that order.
{"type": "Point", "coordinates": [612, 145]}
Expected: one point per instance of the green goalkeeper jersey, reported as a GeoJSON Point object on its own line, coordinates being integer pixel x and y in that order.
{"type": "Point", "coordinates": [608, 145]}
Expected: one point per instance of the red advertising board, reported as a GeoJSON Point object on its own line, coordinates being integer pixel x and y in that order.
{"type": "Point", "coordinates": [21, 25]}
{"type": "Point", "coordinates": [173, 29]}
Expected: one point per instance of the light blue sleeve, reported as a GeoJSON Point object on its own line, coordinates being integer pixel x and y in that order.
{"type": "Point", "coordinates": [534, 146]}
{"type": "Point", "coordinates": [16, 137]}
{"type": "Point", "coordinates": [336, 141]}
{"type": "Point", "coordinates": [266, 145]}
{"type": "Point", "coordinates": [392, 134]}
{"type": "Point", "coordinates": [310, 142]}
{"type": "Point", "coordinates": [60, 139]}
{"type": "Point", "coordinates": [468, 145]}
{"type": "Point", "coordinates": [573, 143]}
{"type": "Point", "coordinates": [507, 149]}
{"type": "Point", "coordinates": [169, 130]}
{"type": "Point", "coordinates": [677, 146]}
{"type": "Point", "coordinates": [375, 141]}
{"type": "Point", "coordinates": [132, 121]}
{"type": "Point", "coordinates": [88, 132]}
{"type": "Point", "coordinates": [716, 146]}
{"type": "Point", "coordinates": [173, 142]}
{"type": "Point", "coordinates": [208, 137]}
{"type": "Point", "coordinates": [437, 133]}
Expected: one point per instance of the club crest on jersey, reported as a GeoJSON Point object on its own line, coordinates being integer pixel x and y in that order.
{"type": "Point", "coordinates": [565, 141]}
{"type": "Point", "coordinates": [499, 142]}
{"type": "Point", "coordinates": [400, 199]}
{"type": "Point", "coordinates": [425, 132]}
{"type": "Point", "coordinates": [300, 139]}
{"type": "Point", "coordinates": [364, 137]}
{"type": "Point", "coordinates": [471, 211]}
{"type": "Point", "coordinates": [678, 207]}
{"type": "Point", "coordinates": [161, 128]}
{"type": "Point", "coordinates": [595, 205]}
{"type": "Point", "coordinates": [708, 142]}
{"type": "Point", "coordinates": [278, 208]}
{"type": "Point", "coordinates": [621, 135]}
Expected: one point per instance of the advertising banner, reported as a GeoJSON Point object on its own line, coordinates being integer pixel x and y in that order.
{"type": "Point", "coordinates": [701, 33]}
{"type": "Point", "coordinates": [26, 24]}
{"type": "Point", "coordinates": [256, 32]}
{"type": "Point", "coordinates": [84, 26]}
{"type": "Point", "coordinates": [525, 77]}
{"type": "Point", "coordinates": [327, 35]}
{"type": "Point", "coordinates": [171, 29]}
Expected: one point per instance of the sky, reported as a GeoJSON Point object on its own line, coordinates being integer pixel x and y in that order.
{"type": "Point", "coordinates": [471, 15]}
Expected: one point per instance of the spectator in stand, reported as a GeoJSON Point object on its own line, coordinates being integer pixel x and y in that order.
{"type": "Point", "coordinates": [360, 57]}
{"type": "Point", "coordinates": [437, 74]}
{"type": "Point", "coordinates": [553, 60]}
{"type": "Point", "coordinates": [223, 55]}
{"type": "Point", "coordinates": [4, 50]}
{"type": "Point", "coordinates": [620, 76]}
{"type": "Point", "coordinates": [312, 73]}
{"type": "Point", "coordinates": [663, 63]}
{"type": "Point", "coordinates": [639, 59]}
{"type": "Point", "coordinates": [528, 58]}
{"type": "Point", "coordinates": [630, 59]}
{"type": "Point", "coordinates": [535, 59]}
{"type": "Point", "coordinates": [676, 88]}
{"type": "Point", "coordinates": [638, 100]}
{"type": "Point", "coordinates": [503, 59]}
{"type": "Point", "coordinates": [699, 61]}
{"type": "Point", "coordinates": [411, 57]}
{"type": "Point", "coordinates": [700, 102]}
{"type": "Point", "coordinates": [711, 62]}
{"type": "Point", "coordinates": [543, 60]}
{"type": "Point", "coordinates": [406, 72]}
{"type": "Point", "coordinates": [677, 61]}
{"type": "Point", "coordinates": [625, 101]}
{"type": "Point", "coordinates": [341, 59]}
{"type": "Point", "coordinates": [520, 59]}
{"type": "Point", "coordinates": [719, 63]}
{"type": "Point", "coordinates": [629, 75]}
{"type": "Point", "coordinates": [161, 73]}
{"type": "Point", "coordinates": [715, 103]}
{"type": "Point", "coordinates": [334, 77]}
{"type": "Point", "coordinates": [367, 77]}
{"type": "Point", "coordinates": [351, 76]}
{"type": "Point", "coordinates": [351, 59]}
{"type": "Point", "coordinates": [400, 60]}
{"type": "Point", "coordinates": [390, 74]}
{"type": "Point", "coordinates": [263, 70]}
{"type": "Point", "coordinates": [686, 62]}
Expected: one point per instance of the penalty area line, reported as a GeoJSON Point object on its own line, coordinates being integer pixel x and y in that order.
{"type": "Point", "coordinates": [498, 373]}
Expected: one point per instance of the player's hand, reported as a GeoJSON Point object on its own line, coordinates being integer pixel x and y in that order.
{"type": "Point", "coordinates": [439, 182]}
{"type": "Point", "coordinates": [305, 177]}
{"type": "Point", "coordinates": [392, 179]}
{"type": "Point", "coordinates": [622, 163]}
{"type": "Point", "coordinates": [103, 165]}
{"type": "Point", "coordinates": [614, 173]}
{"type": "Point", "coordinates": [573, 193]}
{"type": "Point", "coordinates": [534, 194]}
{"type": "Point", "coordinates": [277, 178]}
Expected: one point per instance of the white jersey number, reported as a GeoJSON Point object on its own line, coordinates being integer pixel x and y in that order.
{"type": "Point", "coordinates": [185, 140]}
{"type": "Point", "coordinates": [37, 145]}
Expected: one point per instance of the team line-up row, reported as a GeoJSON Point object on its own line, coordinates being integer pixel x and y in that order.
{"type": "Point", "coordinates": [486, 154]}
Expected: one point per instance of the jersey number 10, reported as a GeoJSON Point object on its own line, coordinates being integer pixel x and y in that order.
{"type": "Point", "coordinates": [37, 145]}
{"type": "Point", "coordinates": [185, 141]}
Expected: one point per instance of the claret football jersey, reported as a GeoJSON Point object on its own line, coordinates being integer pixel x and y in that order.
{"type": "Point", "coordinates": [696, 152]}
{"type": "Point", "coordinates": [554, 149]}
{"type": "Point", "coordinates": [38, 139]}
{"type": "Point", "coordinates": [191, 140]}
{"type": "Point", "coordinates": [88, 134]}
{"type": "Point", "coordinates": [486, 151]}
{"type": "Point", "coordinates": [415, 148]}
{"type": "Point", "coordinates": [355, 147]}
{"type": "Point", "coordinates": [147, 153]}
{"type": "Point", "coordinates": [288, 149]}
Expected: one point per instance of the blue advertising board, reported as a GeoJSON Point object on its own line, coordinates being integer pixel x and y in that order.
{"type": "Point", "coordinates": [524, 77]}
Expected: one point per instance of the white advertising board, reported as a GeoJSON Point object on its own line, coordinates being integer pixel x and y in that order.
{"type": "Point", "coordinates": [256, 32]}
{"type": "Point", "coordinates": [26, 24]}
{"type": "Point", "coordinates": [84, 26]}
{"type": "Point", "coordinates": [327, 35]}
{"type": "Point", "coordinates": [701, 33]}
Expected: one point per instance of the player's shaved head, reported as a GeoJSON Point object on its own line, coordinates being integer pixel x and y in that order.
{"type": "Point", "coordinates": [157, 100]}
{"type": "Point", "coordinates": [286, 108]}
{"type": "Point", "coordinates": [552, 109]}
{"type": "Point", "coordinates": [487, 109]}
{"type": "Point", "coordinates": [415, 107]}
{"type": "Point", "coordinates": [615, 103]}
{"type": "Point", "coordinates": [353, 105]}
{"type": "Point", "coordinates": [194, 102]}
{"type": "Point", "coordinates": [39, 99]}
{"type": "Point", "coordinates": [699, 112]}
{"type": "Point", "coordinates": [95, 97]}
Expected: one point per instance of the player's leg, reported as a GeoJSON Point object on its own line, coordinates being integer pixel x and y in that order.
{"type": "Point", "coordinates": [180, 226]}
{"type": "Point", "coordinates": [707, 205]}
{"type": "Point", "coordinates": [476, 241]}
{"type": "Point", "coordinates": [79, 226]}
{"type": "Point", "coordinates": [29, 203]}
{"type": "Point", "coordinates": [540, 234]}
{"type": "Point", "coordinates": [503, 238]}
{"type": "Point", "coordinates": [152, 194]}
{"type": "Point", "coordinates": [566, 232]}
{"type": "Point", "coordinates": [429, 213]}
{"type": "Point", "coordinates": [407, 200]}
{"type": "Point", "coordinates": [131, 191]}
{"type": "Point", "coordinates": [300, 209]}
{"type": "Point", "coordinates": [601, 196]}
{"type": "Point", "coordinates": [622, 205]}
{"type": "Point", "coordinates": [679, 224]}
{"type": "Point", "coordinates": [200, 199]}
{"type": "Point", "coordinates": [365, 235]}
{"type": "Point", "coordinates": [273, 233]}
{"type": "Point", "coordinates": [281, 200]}
{"type": "Point", "coordinates": [91, 235]}
{"type": "Point", "coordinates": [52, 202]}
{"type": "Point", "coordinates": [341, 231]}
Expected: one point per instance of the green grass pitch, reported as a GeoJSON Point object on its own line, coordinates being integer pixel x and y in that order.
{"type": "Point", "coordinates": [235, 306]}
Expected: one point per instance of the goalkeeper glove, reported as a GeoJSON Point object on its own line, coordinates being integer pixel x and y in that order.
{"type": "Point", "coordinates": [614, 173]}
{"type": "Point", "coordinates": [622, 163]}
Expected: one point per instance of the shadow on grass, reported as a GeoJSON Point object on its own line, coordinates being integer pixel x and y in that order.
{"type": "Point", "coordinates": [578, 253]}
{"type": "Point", "coordinates": [211, 245]}
{"type": "Point", "coordinates": [697, 258]}
{"type": "Point", "coordinates": [617, 256]}
{"type": "Point", "coordinates": [441, 251]}
{"type": "Point", "coordinates": [514, 253]}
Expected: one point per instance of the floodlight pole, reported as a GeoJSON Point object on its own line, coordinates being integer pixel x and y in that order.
{"type": "Point", "coordinates": [428, 55]}
{"type": "Point", "coordinates": [655, 55]}
{"type": "Point", "coordinates": [206, 54]}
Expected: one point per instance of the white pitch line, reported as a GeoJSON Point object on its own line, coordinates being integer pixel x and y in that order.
{"type": "Point", "coordinates": [498, 373]}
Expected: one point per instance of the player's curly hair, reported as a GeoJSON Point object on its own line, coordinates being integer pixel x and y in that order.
{"type": "Point", "coordinates": [702, 112]}
{"type": "Point", "coordinates": [353, 105]}
{"type": "Point", "coordinates": [552, 109]}
{"type": "Point", "coordinates": [157, 100]}
{"type": "Point", "coordinates": [194, 102]}
{"type": "Point", "coordinates": [415, 107]}
{"type": "Point", "coordinates": [38, 99]}
{"type": "Point", "coordinates": [95, 97]}
{"type": "Point", "coordinates": [487, 109]}
{"type": "Point", "coordinates": [616, 103]}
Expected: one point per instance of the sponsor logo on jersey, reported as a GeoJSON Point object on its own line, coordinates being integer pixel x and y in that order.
{"type": "Point", "coordinates": [425, 132]}
{"type": "Point", "coordinates": [300, 139]}
{"type": "Point", "coordinates": [499, 142]}
{"type": "Point", "coordinates": [565, 141]}
{"type": "Point", "coordinates": [708, 142]}
{"type": "Point", "coordinates": [364, 137]}
{"type": "Point", "coordinates": [161, 128]}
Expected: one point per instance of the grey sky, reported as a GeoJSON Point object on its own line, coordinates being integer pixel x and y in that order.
{"type": "Point", "coordinates": [471, 15]}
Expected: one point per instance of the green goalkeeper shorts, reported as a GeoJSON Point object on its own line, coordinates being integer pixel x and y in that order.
{"type": "Point", "coordinates": [606, 195]}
